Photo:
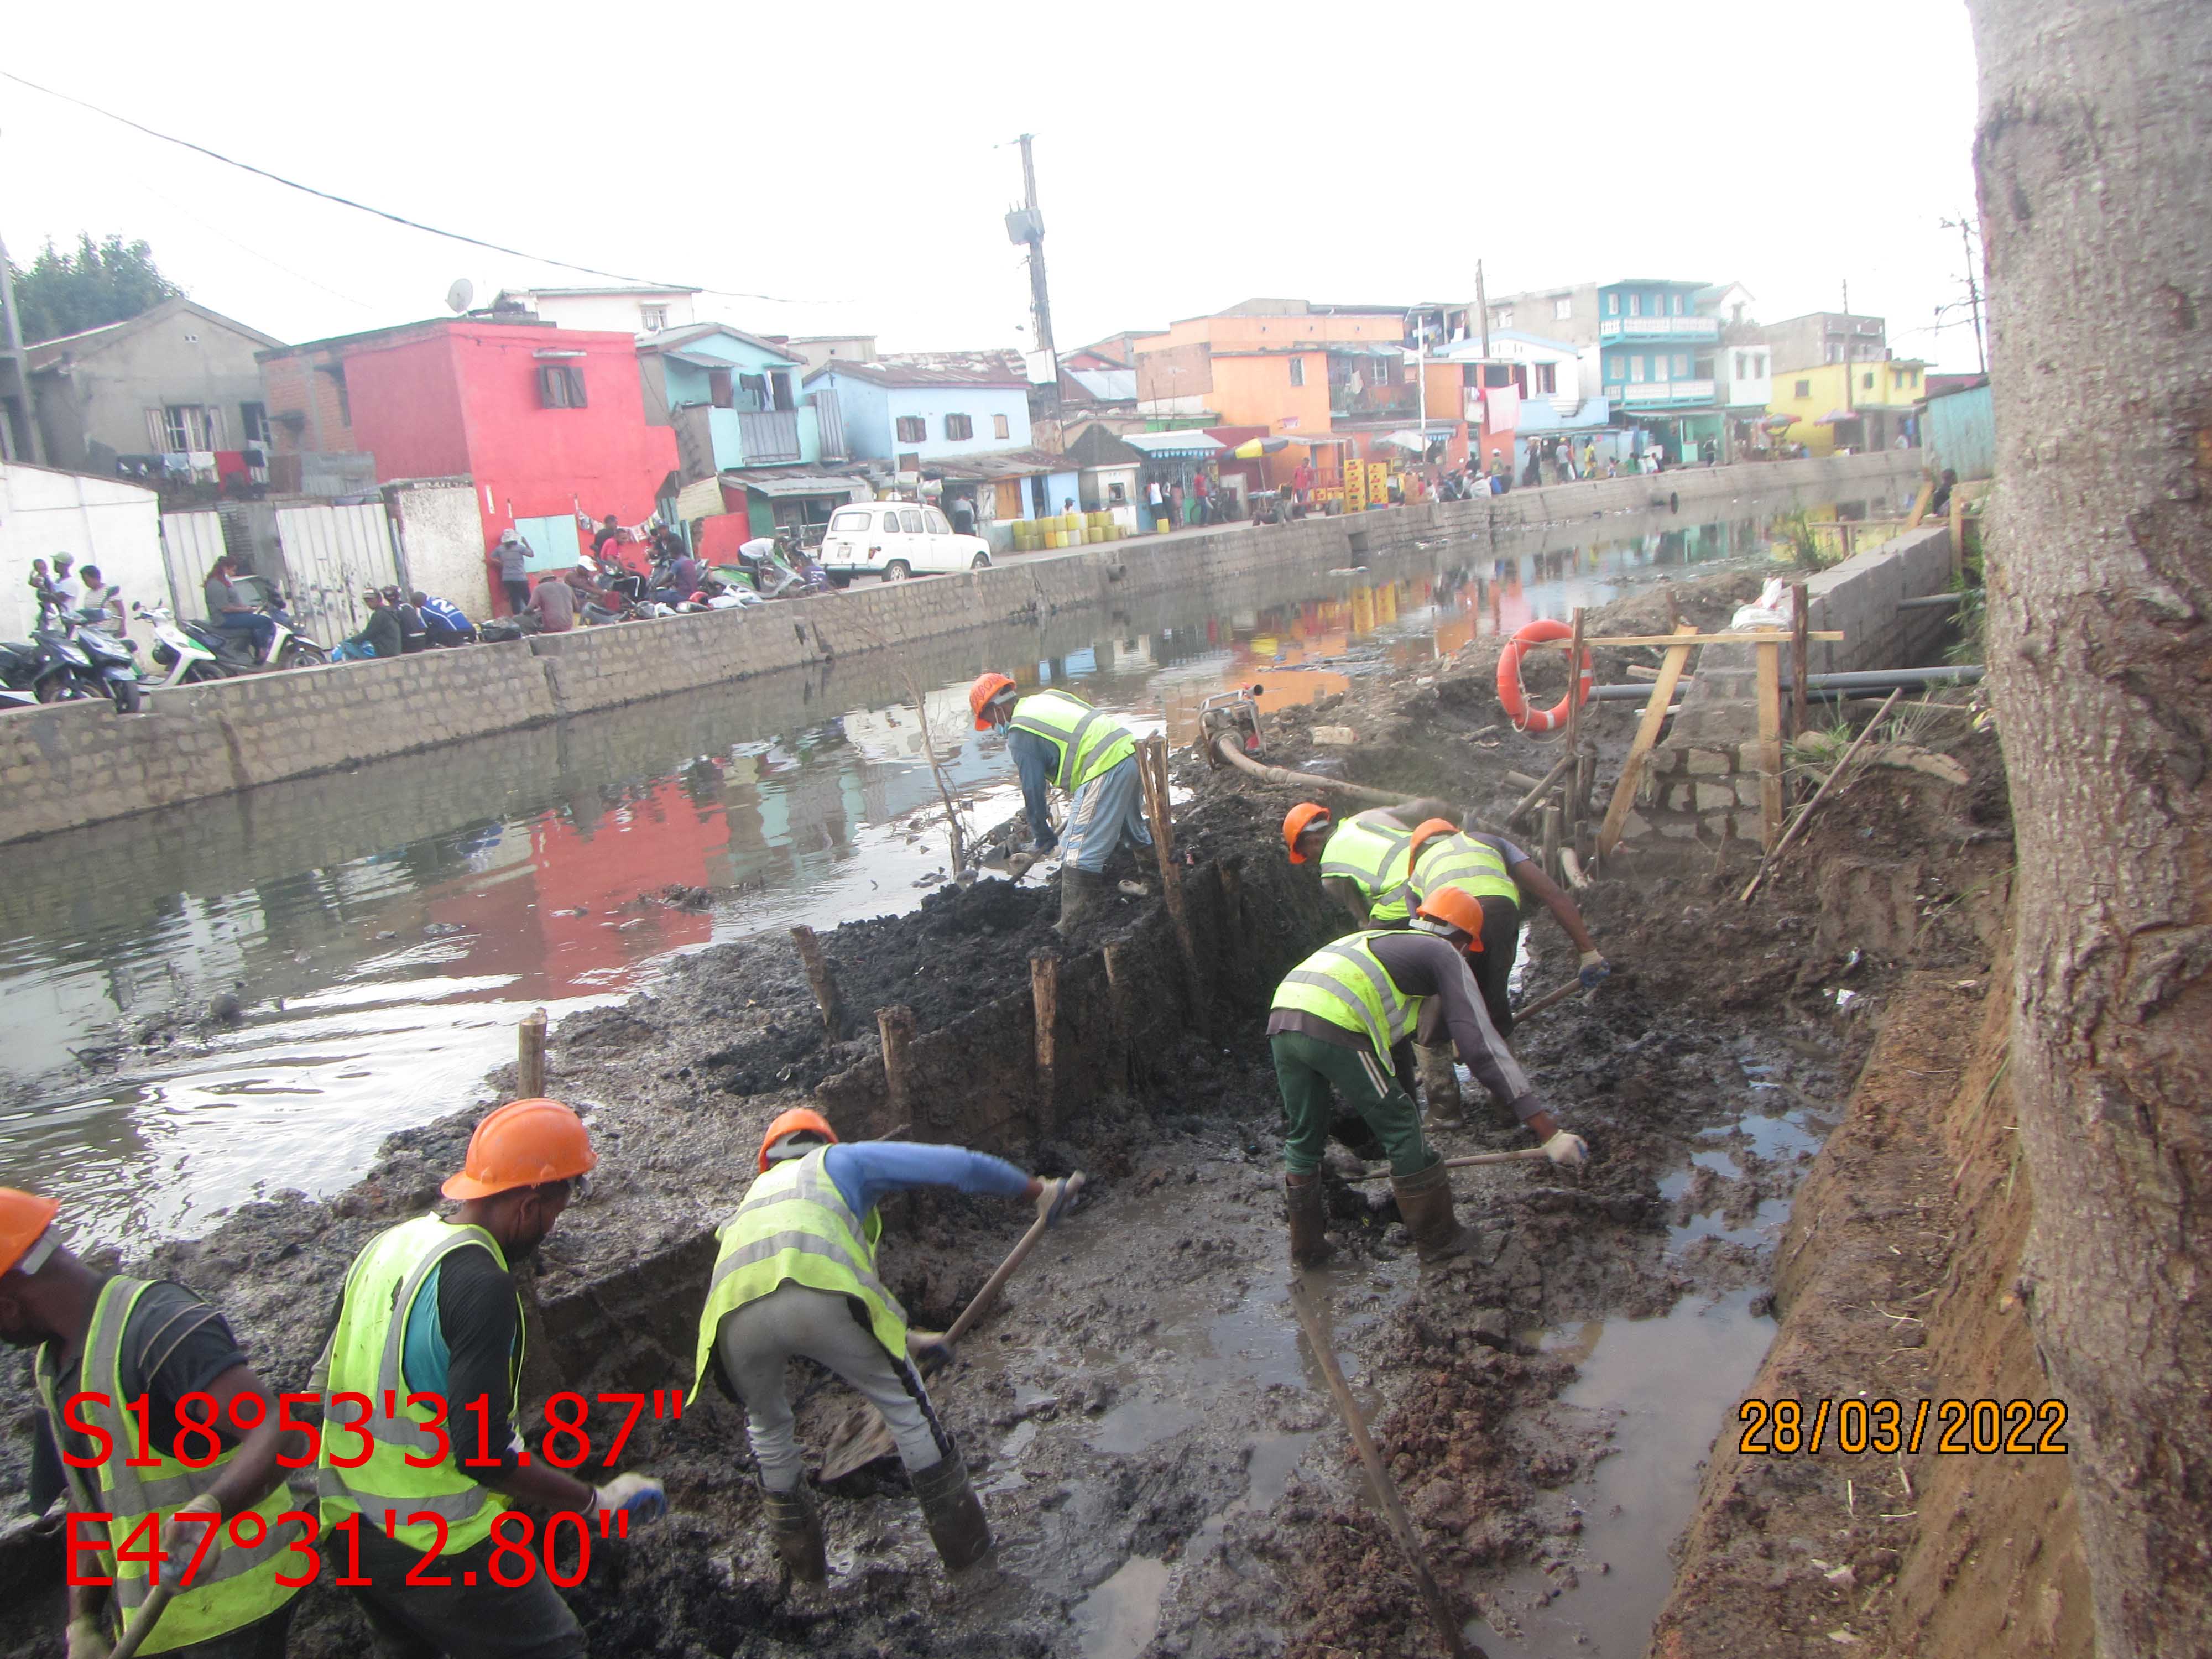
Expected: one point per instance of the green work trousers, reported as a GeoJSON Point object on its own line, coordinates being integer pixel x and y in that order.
{"type": "Point", "coordinates": [1307, 1069]}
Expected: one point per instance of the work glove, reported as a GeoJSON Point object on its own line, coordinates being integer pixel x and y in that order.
{"type": "Point", "coordinates": [84, 1639]}
{"type": "Point", "coordinates": [640, 1494]}
{"type": "Point", "coordinates": [1058, 1198]}
{"type": "Point", "coordinates": [1566, 1148]}
{"type": "Point", "coordinates": [929, 1350]}
{"type": "Point", "coordinates": [180, 1539]}
{"type": "Point", "coordinates": [1595, 969]}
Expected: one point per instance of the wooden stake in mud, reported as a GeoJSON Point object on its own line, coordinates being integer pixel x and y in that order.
{"type": "Point", "coordinates": [897, 1027]}
{"type": "Point", "coordinates": [1552, 818]}
{"type": "Point", "coordinates": [1797, 827]}
{"type": "Point", "coordinates": [1116, 958]}
{"type": "Point", "coordinates": [1585, 783]}
{"type": "Point", "coordinates": [818, 977]}
{"type": "Point", "coordinates": [1386, 1489]}
{"type": "Point", "coordinates": [1529, 801]}
{"type": "Point", "coordinates": [1044, 996]}
{"type": "Point", "coordinates": [1673, 613]}
{"type": "Point", "coordinates": [1770, 744]}
{"type": "Point", "coordinates": [1153, 773]}
{"type": "Point", "coordinates": [530, 1057]}
{"type": "Point", "coordinates": [1575, 715]}
{"type": "Point", "coordinates": [1647, 735]}
{"type": "Point", "coordinates": [1798, 628]}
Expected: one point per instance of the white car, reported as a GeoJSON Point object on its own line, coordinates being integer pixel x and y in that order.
{"type": "Point", "coordinates": [895, 540]}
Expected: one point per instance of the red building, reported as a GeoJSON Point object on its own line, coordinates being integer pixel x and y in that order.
{"type": "Point", "coordinates": [548, 422]}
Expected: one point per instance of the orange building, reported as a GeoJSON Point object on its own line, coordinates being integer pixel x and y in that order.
{"type": "Point", "coordinates": [1334, 380]}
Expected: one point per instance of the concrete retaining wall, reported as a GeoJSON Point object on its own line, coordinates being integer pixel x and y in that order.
{"type": "Point", "coordinates": [1702, 785]}
{"type": "Point", "coordinates": [65, 767]}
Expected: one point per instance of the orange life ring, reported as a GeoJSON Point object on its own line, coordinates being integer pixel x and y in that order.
{"type": "Point", "coordinates": [1515, 697]}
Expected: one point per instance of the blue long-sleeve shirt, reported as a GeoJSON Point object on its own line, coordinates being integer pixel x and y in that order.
{"type": "Point", "coordinates": [1035, 762]}
{"type": "Point", "coordinates": [866, 1172]}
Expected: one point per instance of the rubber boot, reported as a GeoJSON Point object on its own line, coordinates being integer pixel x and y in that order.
{"type": "Point", "coordinates": [1425, 1203]}
{"type": "Point", "coordinates": [794, 1527]}
{"type": "Point", "coordinates": [1440, 1087]}
{"type": "Point", "coordinates": [1302, 1207]}
{"type": "Point", "coordinates": [1081, 892]}
{"type": "Point", "coordinates": [952, 1512]}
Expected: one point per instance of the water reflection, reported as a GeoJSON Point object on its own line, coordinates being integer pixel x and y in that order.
{"type": "Point", "coordinates": [384, 929]}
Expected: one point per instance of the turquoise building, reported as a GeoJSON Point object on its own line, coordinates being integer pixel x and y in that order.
{"type": "Point", "coordinates": [1656, 362]}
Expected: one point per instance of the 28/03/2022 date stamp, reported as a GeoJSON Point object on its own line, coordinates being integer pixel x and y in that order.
{"type": "Point", "coordinates": [1789, 1428]}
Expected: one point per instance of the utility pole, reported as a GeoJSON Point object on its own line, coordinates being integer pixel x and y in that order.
{"type": "Point", "coordinates": [1026, 225]}
{"type": "Point", "coordinates": [1965, 229]}
{"type": "Point", "coordinates": [18, 394]}
{"type": "Point", "coordinates": [1849, 336]}
{"type": "Point", "coordinates": [1482, 304]}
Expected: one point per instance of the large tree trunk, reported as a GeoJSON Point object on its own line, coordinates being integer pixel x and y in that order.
{"type": "Point", "coordinates": [2093, 159]}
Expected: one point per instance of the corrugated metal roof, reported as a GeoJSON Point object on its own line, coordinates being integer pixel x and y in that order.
{"type": "Point", "coordinates": [1000, 464]}
{"type": "Point", "coordinates": [1157, 444]}
{"type": "Point", "coordinates": [991, 368]}
{"type": "Point", "coordinates": [793, 483]}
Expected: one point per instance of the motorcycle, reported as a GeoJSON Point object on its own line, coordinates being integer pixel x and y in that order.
{"type": "Point", "coordinates": [111, 662]}
{"type": "Point", "coordinates": [288, 648]}
{"type": "Point", "coordinates": [189, 657]}
{"type": "Point", "coordinates": [38, 671]}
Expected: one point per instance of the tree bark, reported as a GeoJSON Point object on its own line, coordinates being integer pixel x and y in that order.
{"type": "Point", "coordinates": [2092, 157]}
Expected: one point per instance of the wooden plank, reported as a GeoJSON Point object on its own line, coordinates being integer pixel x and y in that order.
{"type": "Point", "coordinates": [1770, 744]}
{"type": "Point", "coordinates": [530, 1057]}
{"type": "Point", "coordinates": [1920, 504]}
{"type": "Point", "coordinates": [1044, 998]}
{"type": "Point", "coordinates": [1958, 537]}
{"type": "Point", "coordinates": [1762, 637]}
{"type": "Point", "coordinates": [1647, 734]}
{"type": "Point", "coordinates": [1798, 617]}
{"type": "Point", "coordinates": [821, 980]}
{"type": "Point", "coordinates": [1401, 1524]}
{"type": "Point", "coordinates": [1152, 775]}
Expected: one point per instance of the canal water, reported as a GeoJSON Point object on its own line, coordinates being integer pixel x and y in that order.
{"type": "Point", "coordinates": [243, 996]}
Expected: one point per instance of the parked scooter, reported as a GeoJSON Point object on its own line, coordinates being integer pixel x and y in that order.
{"type": "Point", "coordinates": [188, 658]}
{"type": "Point", "coordinates": [234, 651]}
{"type": "Point", "coordinates": [111, 664]}
{"type": "Point", "coordinates": [39, 671]}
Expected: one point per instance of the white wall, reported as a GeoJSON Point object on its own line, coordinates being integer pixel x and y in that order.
{"type": "Point", "coordinates": [616, 312]}
{"type": "Point", "coordinates": [442, 535]}
{"type": "Point", "coordinates": [1755, 384]}
{"type": "Point", "coordinates": [102, 521]}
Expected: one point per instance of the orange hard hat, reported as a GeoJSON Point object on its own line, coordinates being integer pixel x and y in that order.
{"type": "Point", "coordinates": [987, 687]}
{"type": "Point", "coordinates": [798, 1120]}
{"type": "Point", "coordinates": [1306, 815]}
{"type": "Point", "coordinates": [523, 1143]}
{"type": "Point", "coordinates": [1429, 830]}
{"type": "Point", "coordinates": [1455, 907]}
{"type": "Point", "coordinates": [24, 1218]}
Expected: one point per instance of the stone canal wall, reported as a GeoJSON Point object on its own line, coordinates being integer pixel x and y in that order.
{"type": "Point", "coordinates": [67, 766]}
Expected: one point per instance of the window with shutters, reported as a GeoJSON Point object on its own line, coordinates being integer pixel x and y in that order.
{"type": "Point", "coordinates": [1682, 365]}
{"type": "Point", "coordinates": [560, 385]}
{"type": "Point", "coordinates": [1562, 308]}
{"type": "Point", "coordinates": [1635, 363]}
{"type": "Point", "coordinates": [253, 420]}
{"type": "Point", "coordinates": [999, 428]}
{"type": "Point", "coordinates": [1547, 378]}
{"type": "Point", "coordinates": [652, 319]}
{"type": "Point", "coordinates": [1636, 305]}
{"type": "Point", "coordinates": [719, 391]}
{"type": "Point", "coordinates": [958, 427]}
{"type": "Point", "coordinates": [912, 430]}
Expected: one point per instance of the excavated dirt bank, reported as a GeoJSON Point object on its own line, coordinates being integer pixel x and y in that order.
{"type": "Point", "coordinates": [1163, 1471]}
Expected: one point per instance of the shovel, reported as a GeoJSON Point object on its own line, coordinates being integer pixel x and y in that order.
{"type": "Point", "coordinates": [864, 1437]}
{"type": "Point", "coordinates": [142, 1622]}
{"type": "Point", "coordinates": [1518, 1156]}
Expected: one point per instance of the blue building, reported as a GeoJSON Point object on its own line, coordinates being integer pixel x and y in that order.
{"type": "Point", "coordinates": [1655, 352]}
{"type": "Point", "coordinates": [739, 412]}
{"type": "Point", "coordinates": [960, 421]}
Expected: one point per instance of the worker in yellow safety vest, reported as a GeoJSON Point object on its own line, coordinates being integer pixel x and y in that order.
{"type": "Point", "coordinates": [1363, 859]}
{"type": "Point", "coordinates": [160, 1492]}
{"type": "Point", "coordinates": [430, 1332]}
{"type": "Point", "coordinates": [1343, 1022]}
{"type": "Point", "coordinates": [797, 1275]}
{"type": "Point", "coordinates": [1498, 875]}
{"type": "Point", "coordinates": [1055, 740]}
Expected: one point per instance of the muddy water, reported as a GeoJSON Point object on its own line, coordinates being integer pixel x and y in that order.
{"type": "Point", "coordinates": [246, 995]}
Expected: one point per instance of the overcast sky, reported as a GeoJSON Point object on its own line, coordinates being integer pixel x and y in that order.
{"type": "Point", "coordinates": [854, 161]}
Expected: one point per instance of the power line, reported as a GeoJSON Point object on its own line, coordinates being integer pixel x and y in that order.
{"type": "Point", "coordinates": [396, 218]}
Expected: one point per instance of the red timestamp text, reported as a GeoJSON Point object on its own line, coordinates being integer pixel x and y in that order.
{"type": "Point", "coordinates": [519, 1548]}
{"type": "Point", "coordinates": [1786, 1428]}
{"type": "Point", "coordinates": [475, 1438]}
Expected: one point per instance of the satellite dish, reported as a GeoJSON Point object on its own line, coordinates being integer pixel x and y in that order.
{"type": "Point", "coordinates": [461, 295]}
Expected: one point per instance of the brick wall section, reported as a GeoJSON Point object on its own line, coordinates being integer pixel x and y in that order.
{"type": "Point", "coordinates": [64, 767]}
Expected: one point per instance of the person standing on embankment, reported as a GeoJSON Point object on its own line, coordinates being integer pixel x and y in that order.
{"type": "Point", "coordinates": [1344, 1020]}
{"type": "Point", "coordinates": [1055, 738]}
{"type": "Point", "coordinates": [106, 1343]}
{"type": "Point", "coordinates": [797, 1275]}
{"type": "Point", "coordinates": [431, 1319]}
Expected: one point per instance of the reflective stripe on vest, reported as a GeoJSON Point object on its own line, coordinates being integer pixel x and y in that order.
{"type": "Point", "coordinates": [366, 1356]}
{"type": "Point", "coordinates": [1472, 866]}
{"type": "Point", "coordinates": [1089, 742]}
{"type": "Point", "coordinates": [234, 1587]}
{"type": "Point", "coordinates": [1345, 984]}
{"type": "Point", "coordinates": [1362, 851]}
{"type": "Point", "coordinates": [794, 1227]}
